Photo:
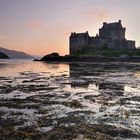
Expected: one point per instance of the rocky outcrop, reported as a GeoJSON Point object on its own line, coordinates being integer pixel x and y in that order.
{"type": "Point", "coordinates": [70, 58]}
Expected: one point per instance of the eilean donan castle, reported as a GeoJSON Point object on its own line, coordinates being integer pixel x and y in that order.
{"type": "Point", "coordinates": [111, 35]}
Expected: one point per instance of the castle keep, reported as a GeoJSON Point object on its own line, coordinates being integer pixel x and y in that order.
{"type": "Point", "coordinates": [111, 35]}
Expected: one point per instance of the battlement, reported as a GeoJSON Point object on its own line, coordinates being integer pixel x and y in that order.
{"type": "Point", "coordinates": [74, 34]}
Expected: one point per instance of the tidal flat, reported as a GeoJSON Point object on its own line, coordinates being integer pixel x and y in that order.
{"type": "Point", "coordinates": [69, 101]}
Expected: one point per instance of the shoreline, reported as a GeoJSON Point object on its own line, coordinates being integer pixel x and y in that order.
{"type": "Point", "coordinates": [88, 59]}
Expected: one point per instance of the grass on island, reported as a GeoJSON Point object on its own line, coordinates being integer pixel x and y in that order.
{"type": "Point", "coordinates": [108, 52]}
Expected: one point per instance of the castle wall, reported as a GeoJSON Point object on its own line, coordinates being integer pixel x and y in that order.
{"type": "Point", "coordinates": [130, 44]}
{"type": "Point", "coordinates": [78, 41]}
{"type": "Point", "coordinates": [112, 34]}
{"type": "Point", "coordinates": [96, 42]}
{"type": "Point", "coordinates": [124, 44]}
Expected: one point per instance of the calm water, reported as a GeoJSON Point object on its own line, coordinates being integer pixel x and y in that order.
{"type": "Point", "coordinates": [41, 97]}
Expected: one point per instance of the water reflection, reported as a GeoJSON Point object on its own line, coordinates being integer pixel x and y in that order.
{"type": "Point", "coordinates": [15, 67]}
{"type": "Point", "coordinates": [108, 77]}
{"type": "Point", "coordinates": [53, 66]}
{"type": "Point", "coordinates": [85, 75]}
{"type": "Point", "coordinates": [112, 88]}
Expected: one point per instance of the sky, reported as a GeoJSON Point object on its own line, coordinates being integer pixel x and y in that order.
{"type": "Point", "coordinates": [40, 27]}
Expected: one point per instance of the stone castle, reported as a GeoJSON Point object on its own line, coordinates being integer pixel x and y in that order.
{"type": "Point", "coordinates": [111, 35]}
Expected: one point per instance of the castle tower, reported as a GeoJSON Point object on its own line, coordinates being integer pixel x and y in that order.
{"type": "Point", "coordinates": [112, 31]}
{"type": "Point", "coordinates": [78, 41]}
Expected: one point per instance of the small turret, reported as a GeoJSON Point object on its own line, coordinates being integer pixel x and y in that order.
{"type": "Point", "coordinates": [73, 33]}
{"type": "Point", "coordinates": [104, 23]}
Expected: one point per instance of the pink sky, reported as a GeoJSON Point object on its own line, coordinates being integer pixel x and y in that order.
{"type": "Point", "coordinates": [44, 26]}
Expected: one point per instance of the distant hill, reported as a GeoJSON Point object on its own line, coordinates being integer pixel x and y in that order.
{"type": "Point", "coordinates": [15, 54]}
{"type": "Point", "coordinates": [3, 56]}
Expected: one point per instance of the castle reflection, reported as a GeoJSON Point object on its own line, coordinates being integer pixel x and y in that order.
{"type": "Point", "coordinates": [88, 75]}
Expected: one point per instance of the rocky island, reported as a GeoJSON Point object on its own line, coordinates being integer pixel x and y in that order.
{"type": "Point", "coordinates": [109, 45]}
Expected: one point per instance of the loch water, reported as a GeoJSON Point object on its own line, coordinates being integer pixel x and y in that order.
{"type": "Point", "coordinates": [41, 100]}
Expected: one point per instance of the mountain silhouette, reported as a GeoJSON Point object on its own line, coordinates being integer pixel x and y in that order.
{"type": "Point", "coordinates": [13, 54]}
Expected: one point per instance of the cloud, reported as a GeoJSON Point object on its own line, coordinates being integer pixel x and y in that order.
{"type": "Point", "coordinates": [34, 24]}
{"type": "Point", "coordinates": [97, 13]}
